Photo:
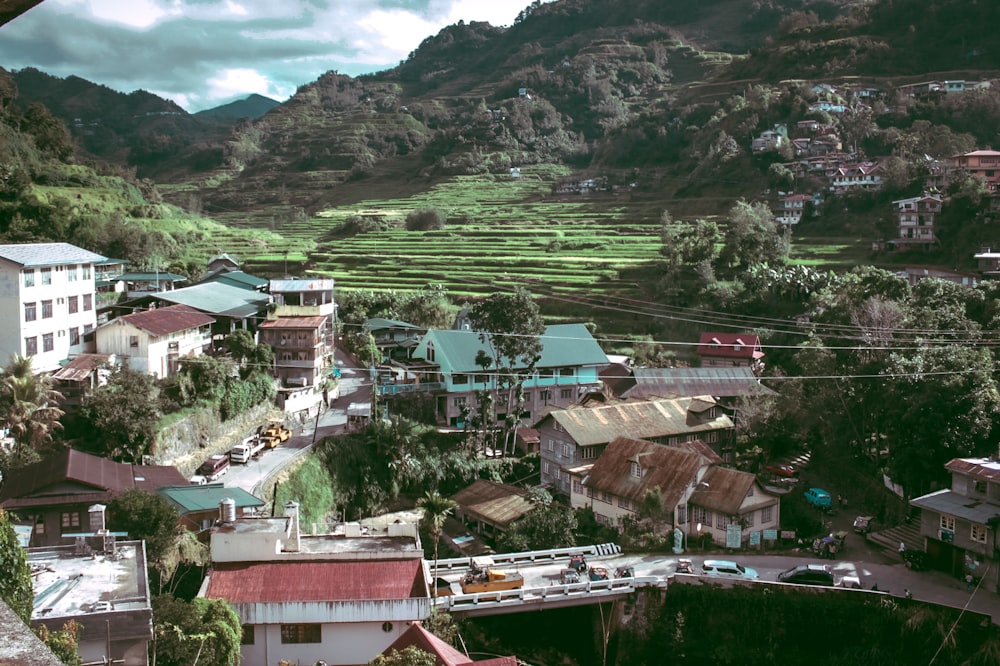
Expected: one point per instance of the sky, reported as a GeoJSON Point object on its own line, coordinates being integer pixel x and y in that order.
{"type": "Point", "coordinates": [204, 53]}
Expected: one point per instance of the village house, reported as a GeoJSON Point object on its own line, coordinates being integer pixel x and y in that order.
{"type": "Point", "coordinates": [916, 220]}
{"type": "Point", "coordinates": [83, 374]}
{"type": "Point", "coordinates": [154, 341]}
{"type": "Point", "coordinates": [575, 436]}
{"type": "Point", "coordinates": [48, 291]}
{"type": "Point", "coordinates": [959, 524]}
{"type": "Point", "coordinates": [858, 177]}
{"type": "Point", "coordinates": [729, 386]}
{"type": "Point", "coordinates": [770, 140]}
{"type": "Point", "coordinates": [55, 493]}
{"type": "Point", "coordinates": [443, 653]}
{"type": "Point", "coordinates": [101, 583]}
{"type": "Point", "coordinates": [395, 340]}
{"type": "Point", "coordinates": [988, 261]}
{"type": "Point", "coordinates": [303, 359]}
{"type": "Point", "coordinates": [294, 297]}
{"type": "Point", "coordinates": [342, 598]}
{"type": "Point", "coordinates": [198, 505]}
{"type": "Point", "coordinates": [445, 364]}
{"type": "Point", "coordinates": [791, 208]}
{"type": "Point", "coordinates": [489, 508]}
{"type": "Point", "coordinates": [981, 164]}
{"type": "Point", "coordinates": [731, 350]}
{"type": "Point", "coordinates": [914, 274]}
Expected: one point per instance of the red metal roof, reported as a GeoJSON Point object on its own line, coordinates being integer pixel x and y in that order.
{"type": "Point", "coordinates": [289, 582]}
{"type": "Point", "coordinates": [724, 344]}
{"type": "Point", "coordinates": [170, 319]}
{"type": "Point", "coordinates": [444, 654]}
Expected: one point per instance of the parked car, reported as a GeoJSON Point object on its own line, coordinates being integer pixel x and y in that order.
{"type": "Point", "coordinates": [599, 573]}
{"type": "Point", "coordinates": [807, 574]}
{"type": "Point", "coordinates": [784, 471]}
{"type": "Point", "coordinates": [819, 498]}
{"type": "Point", "coordinates": [578, 561]}
{"type": "Point", "coordinates": [569, 576]}
{"type": "Point", "coordinates": [728, 569]}
{"type": "Point", "coordinates": [863, 524]}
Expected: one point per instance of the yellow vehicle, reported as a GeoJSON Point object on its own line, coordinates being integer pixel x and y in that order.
{"type": "Point", "coordinates": [482, 578]}
{"type": "Point", "coordinates": [277, 430]}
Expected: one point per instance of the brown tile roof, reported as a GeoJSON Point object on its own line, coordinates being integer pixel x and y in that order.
{"type": "Point", "coordinates": [290, 582]}
{"type": "Point", "coordinates": [166, 320]}
{"type": "Point", "coordinates": [724, 344]}
{"type": "Point", "coordinates": [723, 489]}
{"type": "Point", "coordinates": [75, 476]}
{"type": "Point", "coordinates": [670, 468]}
{"type": "Point", "coordinates": [310, 323]}
{"type": "Point", "coordinates": [497, 503]}
{"type": "Point", "coordinates": [649, 419]}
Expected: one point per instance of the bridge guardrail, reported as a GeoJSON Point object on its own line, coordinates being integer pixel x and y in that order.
{"type": "Point", "coordinates": [598, 588]}
{"type": "Point", "coordinates": [530, 557]}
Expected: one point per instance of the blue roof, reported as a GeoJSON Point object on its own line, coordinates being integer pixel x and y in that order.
{"type": "Point", "coordinates": [48, 254]}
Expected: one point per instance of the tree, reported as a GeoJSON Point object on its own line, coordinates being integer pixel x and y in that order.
{"type": "Point", "coordinates": [204, 631]}
{"type": "Point", "coordinates": [64, 643]}
{"type": "Point", "coordinates": [29, 406]}
{"type": "Point", "coordinates": [425, 219]}
{"type": "Point", "coordinates": [511, 325]}
{"type": "Point", "coordinates": [122, 415]}
{"type": "Point", "coordinates": [410, 656]}
{"type": "Point", "coordinates": [436, 510]}
{"type": "Point", "coordinates": [251, 356]}
{"type": "Point", "coordinates": [753, 236]}
{"type": "Point", "coordinates": [15, 575]}
{"type": "Point", "coordinates": [51, 135]}
{"type": "Point", "coordinates": [546, 525]}
{"type": "Point", "coordinates": [145, 516]}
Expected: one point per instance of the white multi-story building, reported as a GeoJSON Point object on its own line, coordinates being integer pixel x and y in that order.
{"type": "Point", "coordinates": [47, 293]}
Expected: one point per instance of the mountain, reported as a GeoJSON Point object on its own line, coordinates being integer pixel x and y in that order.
{"type": "Point", "coordinates": [252, 107]}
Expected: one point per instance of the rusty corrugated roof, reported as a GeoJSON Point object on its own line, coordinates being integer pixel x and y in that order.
{"type": "Point", "coordinates": [311, 323]}
{"type": "Point", "coordinates": [980, 468]}
{"type": "Point", "coordinates": [718, 382]}
{"type": "Point", "coordinates": [338, 580]}
{"type": "Point", "coordinates": [669, 468]}
{"type": "Point", "coordinates": [496, 503]}
{"type": "Point", "coordinates": [723, 489]}
{"type": "Point", "coordinates": [649, 419]}
{"type": "Point", "coordinates": [81, 367]}
{"type": "Point", "coordinates": [163, 321]}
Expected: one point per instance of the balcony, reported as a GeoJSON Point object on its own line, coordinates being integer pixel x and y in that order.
{"type": "Point", "coordinates": [398, 389]}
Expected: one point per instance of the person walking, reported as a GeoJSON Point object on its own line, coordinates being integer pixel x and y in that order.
{"type": "Point", "coordinates": [969, 580]}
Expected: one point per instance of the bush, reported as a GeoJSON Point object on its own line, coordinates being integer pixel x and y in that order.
{"type": "Point", "coordinates": [425, 219]}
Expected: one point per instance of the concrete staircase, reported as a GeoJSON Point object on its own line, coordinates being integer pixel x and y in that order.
{"type": "Point", "coordinates": [908, 533]}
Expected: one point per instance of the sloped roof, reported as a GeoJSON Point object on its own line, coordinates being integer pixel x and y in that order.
{"type": "Point", "coordinates": [47, 254]}
{"type": "Point", "coordinates": [164, 321]}
{"type": "Point", "coordinates": [958, 505]}
{"type": "Point", "coordinates": [496, 503]}
{"type": "Point", "coordinates": [380, 323]}
{"type": "Point", "coordinates": [985, 469]}
{"type": "Point", "coordinates": [639, 419]}
{"type": "Point", "coordinates": [444, 654]}
{"type": "Point", "coordinates": [562, 345]}
{"type": "Point", "coordinates": [666, 467]}
{"type": "Point", "coordinates": [45, 482]}
{"type": "Point", "coordinates": [618, 377]}
{"type": "Point", "coordinates": [194, 499]}
{"type": "Point", "coordinates": [80, 367]}
{"type": "Point", "coordinates": [310, 323]}
{"type": "Point", "coordinates": [217, 298]}
{"type": "Point", "coordinates": [339, 580]}
{"type": "Point", "coordinates": [718, 382]}
{"type": "Point", "coordinates": [724, 344]}
{"type": "Point", "coordinates": [236, 279]}
{"type": "Point", "coordinates": [723, 489]}
{"type": "Point", "coordinates": [299, 285]}
{"type": "Point", "coordinates": [150, 277]}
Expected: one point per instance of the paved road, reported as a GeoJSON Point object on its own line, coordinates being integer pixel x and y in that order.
{"type": "Point", "coordinates": [355, 386]}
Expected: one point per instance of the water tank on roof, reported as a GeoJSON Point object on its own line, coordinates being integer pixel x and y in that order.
{"type": "Point", "coordinates": [227, 511]}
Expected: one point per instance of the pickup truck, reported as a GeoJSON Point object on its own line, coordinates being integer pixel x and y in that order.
{"type": "Point", "coordinates": [246, 450]}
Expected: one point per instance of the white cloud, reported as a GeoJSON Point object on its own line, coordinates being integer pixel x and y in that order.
{"type": "Point", "coordinates": [230, 83]}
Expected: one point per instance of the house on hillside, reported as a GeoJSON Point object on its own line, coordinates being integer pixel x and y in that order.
{"type": "Point", "coordinates": [770, 140]}
{"type": "Point", "coordinates": [55, 494]}
{"type": "Point", "coordinates": [988, 261]}
{"type": "Point", "coordinates": [444, 365]}
{"type": "Point", "coordinates": [221, 263]}
{"type": "Point", "coordinates": [342, 598]}
{"type": "Point", "coordinates": [237, 278]}
{"type": "Point", "coordinates": [857, 177]}
{"type": "Point", "coordinates": [981, 164]}
{"type": "Point", "coordinates": [83, 374]}
{"type": "Point", "coordinates": [959, 524]}
{"type": "Point", "coordinates": [395, 340]}
{"type": "Point", "coordinates": [731, 350]}
{"type": "Point", "coordinates": [489, 508]}
{"type": "Point", "coordinates": [48, 292]}
{"type": "Point", "coordinates": [294, 297]}
{"type": "Point", "coordinates": [916, 220]}
{"type": "Point", "coordinates": [155, 341]}
{"type": "Point", "coordinates": [729, 386]}
{"type": "Point", "coordinates": [726, 500]}
{"type": "Point", "coordinates": [303, 358]}
{"type": "Point", "coordinates": [791, 208]}
{"type": "Point", "coordinates": [572, 437]}
{"type": "Point", "coordinates": [443, 653]}
{"type": "Point", "coordinates": [198, 505]}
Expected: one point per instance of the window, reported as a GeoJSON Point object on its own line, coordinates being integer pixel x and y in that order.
{"type": "Point", "coordinates": [247, 638]}
{"type": "Point", "coordinates": [720, 521]}
{"type": "Point", "coordinates": [527, 400]}
{"type": "Point", "coordinates": [47, 309]}
{"type": "Point", "coordinates": [29, 277]}
{"type": "Point", "coordinates": [567, 450]}
{"type": "Point", "coordinates": [566, 394]}
{"type": "Point", "coordinates": [74, 304]}
{"type": "Point", "coordinates": [749, 518]}
{"type": "Point", "coordinates": [460, 379]}
{"type": "Point", "coordinates": [588, 452]}
{"type": "Point", "coordinates": [765, 515]}
{"type": "Point", "coordinates": [459, 402]}
{"type": "Point", "coordinates": [70, 519]}
{"type": "Point", "coordinates": [87, 328]}
{"type": "Point", "coordinates": [565, 372]}
{"type": "Point", "coordinates": [133, 341]}
{"type": "Point", "coordinates": [47, 343]}
{"type": "Point", "coordinates": [711, 437]}
{"type": "Point", "coordinates": [30, 346]}
{"type": "Point", "coordinates": [480, 379]}
{"type": "Point", "coordinates": [88, 302]}
{"type": "Point", "coordinates": [634, 469]}
{"type": "Point", "coordinates": [577, 487]}
{"type": "Point", "coordinates": [545, 469]}
{"type": "Point", "coordinates": [29, 312]}
{"type": "Point", "coordinates": [682, 513]}
{"type": "Point", "coordinates": [623, 503]}
{"type": "Point", "coordinates": [86, 272]}
{"type": "Point", "coordinates": [430, 352]}
{"type": "Point", "coordinates": [39, 524]}
{"type": "Point", "coordinates": [71, 273]}
{"type": "Point", "coordinates": [46, 276]}
{"type": "Point", "coordinates": [947, 522]}
{"type": "Point", "coordinates": [979, 486]}
{"type": "Point", "coordinates": [550, 445]}
{"type": "Point", "coordinates": [546, 396]}
{"type": "Point", "coordinates": [301, 633]}
{"type": "Point", "coordinates": [978, 533]}
{"type": "Point", "coordinates": [606, 497]}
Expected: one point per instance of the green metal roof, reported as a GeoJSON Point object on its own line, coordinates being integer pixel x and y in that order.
{"type": "Point", "coordinates": [195, 499]}
{"type": "Point", "coordinates": [238, 279]}
{"type": "Point", "coordinates": [218, 299]}
{"type": "Point", "coordinates": [562, 345]}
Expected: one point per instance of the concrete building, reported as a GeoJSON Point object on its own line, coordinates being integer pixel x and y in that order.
{"type": "Point", "coordinates": [342, 598]}
{"type": "Point", "coordinates": [48, 293]}
{"type": "Point", "coordinates": [303, 356]}
{"type": "Point", "coordinates": [100, 582]}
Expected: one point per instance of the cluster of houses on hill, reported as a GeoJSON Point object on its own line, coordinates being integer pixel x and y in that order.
{"type": "Point", "coordinates": [77, 313]}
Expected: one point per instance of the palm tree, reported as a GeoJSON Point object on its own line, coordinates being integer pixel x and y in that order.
{"type": "Point", "coordinates": [436, 509]}
{"type": "Point", "coordinates": [29, 406]}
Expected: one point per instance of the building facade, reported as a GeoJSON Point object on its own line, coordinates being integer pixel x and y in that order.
{"type": "Point", "coordinates": [48, 292]}
{"type": "Point", "coordinates": [302, 358]}
{"type": "Point", "coordinates": [154, 341]}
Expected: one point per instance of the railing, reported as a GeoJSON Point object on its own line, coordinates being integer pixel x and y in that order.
{"type": "Point", "coordinates": [529, 557]}
{"type": "Point", "coordinates": [596, 590]}
{"type": "Point", "coordinates": [395, 389]}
